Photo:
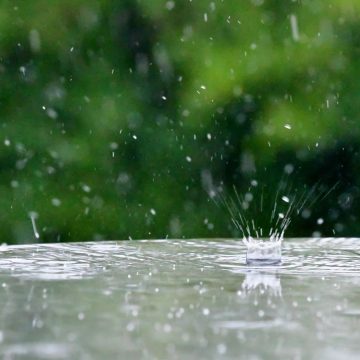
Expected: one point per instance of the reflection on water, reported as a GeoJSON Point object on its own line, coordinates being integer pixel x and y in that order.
{"type": "Point", "coordinates": [179, 299]}
{"type": "Point", "coordinates": [263, 283]}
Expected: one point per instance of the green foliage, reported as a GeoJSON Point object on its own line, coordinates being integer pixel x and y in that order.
{"type": "Point", "coordinates": [118, 116]}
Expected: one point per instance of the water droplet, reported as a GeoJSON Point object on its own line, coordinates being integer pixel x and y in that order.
{"type": "Point", "coordinates": [56, 202]}
{"type": "Point", "coordinates": [206, 311]}
{"type": "Point", "coordinates": [86, 188]}
{"type": "Point", "coordinates": [130, 327]}
{"type": "Point", "coordinates": [170, 5]}
{"type": "Point", "coordinates": [51, 113]}
{"type": "Point", "coordinates": [294, 28]}
{"type": "Point", "coordinates": [34, 40]}
{"type": "Point", "coordinates": [33, 216]}
{"type": "Point", "coordinates": [167, 328]}
{"type": "Point", "coordinates": [289, 168]}
{"type": "Point", "coordinates": [221, 349]}
{"type": "Point", "coordinates": [286, 199]}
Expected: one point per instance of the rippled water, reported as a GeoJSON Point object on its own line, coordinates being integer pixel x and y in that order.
{"type": "Point", "coordinates": [179, 299]}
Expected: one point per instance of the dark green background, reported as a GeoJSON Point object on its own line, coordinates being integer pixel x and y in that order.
{"type": "Point", "coordinates": [118, 117]}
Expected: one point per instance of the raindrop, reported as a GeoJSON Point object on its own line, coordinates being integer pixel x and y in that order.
{"type": "Point", "coordinates": [114, 146]}
{"type": "Point", "coordinates": [86, 188]}
{"type": "Point", "coordinates": [170, 5]}
{"type": "Point", "coordinates": [289, 168]}
{"type": "Point", "coordinates": [33, 216]}
{"type": "Point", "coordinates": [286, 199]}
{"type": "Point", "coordinates": [51, 113]}
{"type": "Point", "coordinates": [306, 213]}
{"type": "Point", "coordinates": [56, 202]}
{"type": "Point", "coordinates": [206, 311]}
{"type": "Point", "coordinates": [294, 27]}
{"type": "Point", "coordinates": [221, 349]}
{"type": "Point", "coordinates": [34, 40]}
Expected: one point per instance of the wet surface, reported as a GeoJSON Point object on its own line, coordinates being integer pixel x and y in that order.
{"type": "Point", "coordinates": [179, 299]}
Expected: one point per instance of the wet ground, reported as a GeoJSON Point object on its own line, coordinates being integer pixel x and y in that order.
{"type": "Point", "coordinates": [179, 300]}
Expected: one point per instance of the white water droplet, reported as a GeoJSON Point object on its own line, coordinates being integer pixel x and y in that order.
{"type": "Point", "coordinates": [289, 168]}
{"type": "Point", "coordinates": [188, 159]}
{"type": "Point", "coordinates": [56, 202]}
{"type": "Point", "coordinates": [86, 188]}
{"type": "Point", "coordinates": [286, 199]}
{"type": "Point", "coordinates": [287, 126]}
{"type": "Point", "coordinates": [206, 311]}
{"type": "Point", "coordinates": [221, 349]}
{"type": "Point", "coordinates": [294, 27]}
{"type": "Point", "coordinates": [35, 40]}
{"type": "Point", "coordinates": [33, 216]}
{"type": "Point", "coordinates": [170, 5]}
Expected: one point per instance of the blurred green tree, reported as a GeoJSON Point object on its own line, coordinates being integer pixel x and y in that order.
{"type": "Point", "coordinates": [118, 117]}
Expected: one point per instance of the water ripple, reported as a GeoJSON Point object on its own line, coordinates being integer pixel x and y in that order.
{"type": "Point", "coordinates": [82, 260]}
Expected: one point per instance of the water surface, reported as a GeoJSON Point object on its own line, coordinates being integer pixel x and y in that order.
{"type": "Point", "coordinates": [179, 299]}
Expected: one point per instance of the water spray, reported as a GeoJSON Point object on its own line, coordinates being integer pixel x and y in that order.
{"type": "Point", "coordinates": [264, 247]}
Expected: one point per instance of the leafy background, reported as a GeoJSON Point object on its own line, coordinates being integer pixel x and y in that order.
{"type": "Point", "coordinates": [119, 117]}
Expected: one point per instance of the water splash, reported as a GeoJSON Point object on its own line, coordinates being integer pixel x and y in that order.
{"type": "Point", "coordinates": [264, 242]}
{"type": "Point", "coordinates": [33, 216]}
